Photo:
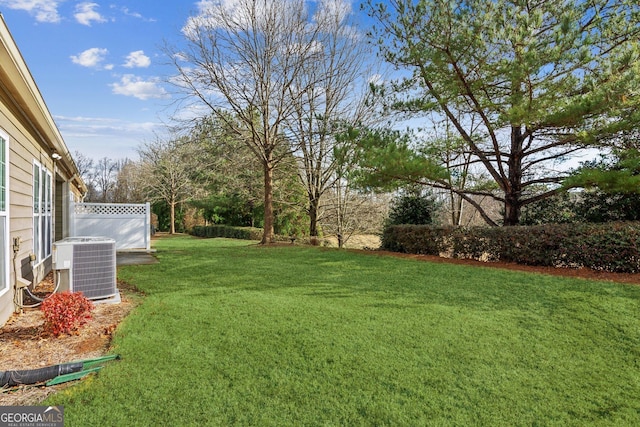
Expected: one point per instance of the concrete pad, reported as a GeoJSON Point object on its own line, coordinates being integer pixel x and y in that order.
{"type": "Point", "coordinates": [116, 299]}
{"type": "Point", "coordinates": [135, 258]}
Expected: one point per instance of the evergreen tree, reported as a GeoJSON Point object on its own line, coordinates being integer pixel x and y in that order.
{"type": "Point", "coordinates": [413, 207]}
{"type": "Point", "coordinates": [524, 83]}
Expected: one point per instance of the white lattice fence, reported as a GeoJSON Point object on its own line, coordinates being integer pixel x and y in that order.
{"type": "Point", "coordinates": [128, 224]}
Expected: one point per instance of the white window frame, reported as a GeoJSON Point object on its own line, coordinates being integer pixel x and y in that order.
{"type": "Point", "coordinates": [42, 212]}
{"type": "Point", "coordinates": [5, 284]}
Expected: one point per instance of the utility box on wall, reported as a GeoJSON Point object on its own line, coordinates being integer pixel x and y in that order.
{"type": "Point", "coordinates": [87, 265]}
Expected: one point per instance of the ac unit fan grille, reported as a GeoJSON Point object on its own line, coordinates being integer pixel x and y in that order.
{"type": "Point", "coordinates": [94, 270]}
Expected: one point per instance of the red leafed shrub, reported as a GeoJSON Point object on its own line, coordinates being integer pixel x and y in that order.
{"type": "Point", "coordinates": [65, 312]}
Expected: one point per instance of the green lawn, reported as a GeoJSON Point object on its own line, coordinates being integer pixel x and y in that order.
{"type": "Point", "coordinates": [236, 334]}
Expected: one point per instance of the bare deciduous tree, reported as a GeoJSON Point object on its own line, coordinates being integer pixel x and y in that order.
{"type": "Point", "coordinates": [246, 58]}
{"type": "Point", "coordinates": [349, 210]}
{"type": "Point", "coordinates": [129, 183]}
{"type": "Point", "coordinates": [86, 168]}
{"type": "Point", "coordinates": [105, 173]}
{"type": "Point", "coordinates": [339, 68]}
{"type": "Point", "coordinates": [168, 167]}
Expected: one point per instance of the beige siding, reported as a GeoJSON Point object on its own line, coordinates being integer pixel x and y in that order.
{"type": "Point", "coordinates": [32, 136]}
{"type": "Point", "coordinates": [23, 150]}
{"type": "Point", "coordinates": [20, 198]}
{"type": "Point", "coordinates": [6, 307]}
{"type": "Point", "coordinates": [58, 220]}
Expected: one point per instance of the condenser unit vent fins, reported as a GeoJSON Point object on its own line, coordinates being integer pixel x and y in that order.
{"type": "Point", "coordinates": [87, 265]}
{"type": "Point", "coordinates": [93, 270]}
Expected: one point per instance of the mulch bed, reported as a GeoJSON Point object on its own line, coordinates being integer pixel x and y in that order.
{"type": "Point", "coordinates": [582, 273]}
{"type": "Point", "coordinates": [24, 344]}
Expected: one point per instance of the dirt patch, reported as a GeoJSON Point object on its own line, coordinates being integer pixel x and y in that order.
{"type": "Point", "coordinates": [24, 345]}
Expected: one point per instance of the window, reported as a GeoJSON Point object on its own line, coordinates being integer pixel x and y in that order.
{"type": "Point", "coordinates": [41, 212]}
{"type": "Point", "coordinates": [4, 209]}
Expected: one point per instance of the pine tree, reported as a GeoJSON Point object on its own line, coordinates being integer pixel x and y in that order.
{"type": "Point", "coordinates": [544, 79]}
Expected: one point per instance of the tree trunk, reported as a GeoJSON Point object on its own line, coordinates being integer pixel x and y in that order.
{"type": "Point", "coordinates": [513, 191]}
{"type": "Point", "coordinates": [511, 210]}
{"type": "Point", "coordinates": [172, 215]}
{"type": "Point", "coordinates": [340, 199]}
{"type": "Point", "coordinates": [267, 235]}
{"type": "Point", "coordinates": [314, 202]}
{"type": "Point", "coordinates": [456, 203]}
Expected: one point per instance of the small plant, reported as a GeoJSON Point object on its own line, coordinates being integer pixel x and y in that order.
{"type": "Point", "coordinates": [65, 312]}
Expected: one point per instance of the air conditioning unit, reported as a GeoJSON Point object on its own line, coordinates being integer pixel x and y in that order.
{"type": "Point", "coordinates": [87, 265]}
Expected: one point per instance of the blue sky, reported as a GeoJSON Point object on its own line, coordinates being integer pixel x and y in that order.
{"type": "Point", "coordinates": [100, 67]}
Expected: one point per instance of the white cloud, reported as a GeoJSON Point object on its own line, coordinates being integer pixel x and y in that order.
{"type": "Point", "coordinates": [98, 137]}
{"type": "Point", "coordinates": [99, 126]}
{"type": "Point", "coordinates": [332, 11]}
{"type": "Point", "coordinates": [137, 87]}
{"type": "Point", "coordinates": [42, 10]}
{"type": "Point", "coordinates": [128, 12]}
{"type": "Point", "coordinates": [191, 112]}
{"type": "Point", "coordinates": [137, 59]}
{"type": "Point", "coordinates": [92, 58]}
{"type": "Point", "coordinates": [180, 56]}
{"type": "Point", "coordinates": [86, 13]}
{"type": "Point", "coordinates": [212, 12]}
{"type": "Point", "coordinates": [83, 119]}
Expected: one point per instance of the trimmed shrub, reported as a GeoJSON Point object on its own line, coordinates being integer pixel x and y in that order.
{"type": "Point", "coordinates": [242, 233]}
{"type": "Point", "coordinates": [611, 247]}
{"type": "Point", "coordinates": [65, 312]}
{"type": "Point", "coordinates": [249, 233]}
{"type": "Point", "coordinates": [415, 239]}
{"type": "Point", "coordinates": [474, 243]}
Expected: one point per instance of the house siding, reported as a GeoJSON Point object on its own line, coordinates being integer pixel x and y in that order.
{"type": "Point", "coordinates": [32, 136]}
{"type": "Point", "coordinates": [58, 219]}
{"type": "Point", "coordinates": [22, 152]}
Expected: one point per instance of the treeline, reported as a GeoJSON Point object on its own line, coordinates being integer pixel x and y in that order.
{"type": "Point", "coordinates": [299, 126]}
{"type": "Point", "coordinates": [208, 175]}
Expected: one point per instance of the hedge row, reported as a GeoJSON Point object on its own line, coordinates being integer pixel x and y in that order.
{"type": "Point", "coordinates": [243, 233]}
{"type": "Point", "coordinates": [611, 247]}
